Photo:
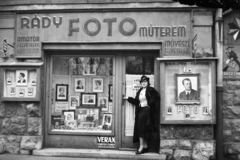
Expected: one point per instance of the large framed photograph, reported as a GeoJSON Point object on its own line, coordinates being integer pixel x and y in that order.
{"type": "Point", "coordinates": [69, 115]}
{"type": "Point", "coordinates": [21, 77]}
{"type": "Point", "coordinates": [97, 85]}
{"type": "Point", "coordinates": [103, 103]}
{"type": "Point", "coordinates": [89, 99]}
{"type": "Point", "coordinates": [187, 89]}
{"type": "Point", "coordinates": [110, 92]}
{"type": "Point", "coordinates": [79, 84]}
{"type": "Point", "coordinates": [61, 92]}
{"type": "Point", "coordinates": [73, 102]}
{"type": "Point", "coordinates": [87, 118]}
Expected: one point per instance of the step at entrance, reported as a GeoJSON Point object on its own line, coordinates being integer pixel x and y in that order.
{"type": "Point", "coordinates": [95, 153]}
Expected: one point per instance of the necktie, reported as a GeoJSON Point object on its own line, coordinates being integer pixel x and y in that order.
{"type": "Point", "coordinates": [188, 96]}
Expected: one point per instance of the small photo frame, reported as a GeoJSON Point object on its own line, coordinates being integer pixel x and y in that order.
{"type": "Point", "coordinates": [97, 85]}
{"type": "Point", "coordinates": [89, 99]}
{"type": "Point", "coordinates": [21, 92]}
{"type": "Point", "coordinates": [205, 111]}
{"type": "Point", "coordinates": [21, 77]}
{"type": "Point", "coordinates": [110, 92]}
{"type": "Point", "coordinates": [33, 81]}
{"type": "Point", "coordinates": [187, 89]}
{"type": "Point", "coordinates": [69, 115]}
{"type": "Point", "coordinates": [103, 103]}
{"type": "Point", "coordinates": [73, 102]}
{"type": "Point", "coordinates": [107, 120]}
{"type": "Point", "coordinates": [79, 84]}
{"type": "Point", "coordinates": [12, 90]}
{"type": "Point", "coordinates": [169, 110]}
{"type": "Point", "coordinates": [187, 116]}
{"type": "Point", "coordinates": [30, 91]}
{"type": "Point", "coordinates": [9, 80]}
{"type": "Point", "coordinates": [72, 124]}
{"type": "Point", "coordinates": [61, 92]}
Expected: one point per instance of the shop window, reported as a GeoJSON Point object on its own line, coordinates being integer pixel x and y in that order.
{"type": "Point", "coordinates": [82, 94]}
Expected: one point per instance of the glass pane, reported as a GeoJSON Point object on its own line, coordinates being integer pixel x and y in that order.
{"type": "Point", "coordinates": [136, 66]}
{"type": "Point", "coordinates": [82, 94]}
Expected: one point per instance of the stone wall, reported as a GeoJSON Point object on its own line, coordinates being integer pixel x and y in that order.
{"type": "Point", "coordinates": [20, 127]}
{"type": "Point", "coordinates": [188, 142]}
{"type": "Point", "coordinates": [231, 121]}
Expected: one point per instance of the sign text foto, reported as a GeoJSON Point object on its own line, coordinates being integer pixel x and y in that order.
{"type": "Point", "coordinates": [74, 24]}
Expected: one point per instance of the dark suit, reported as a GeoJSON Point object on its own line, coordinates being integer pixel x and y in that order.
{"type": "Point", "coordinates": [23, 81]}
{"type": "Point", "coordinates": [192, 96]}
{"type": "Point", "coordinates": [79, 87]}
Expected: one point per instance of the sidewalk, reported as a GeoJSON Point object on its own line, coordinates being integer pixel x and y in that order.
{"type": "Point", "coordinates": [97, 154]}
{"type": "Point", "coordinates": [32, 157]}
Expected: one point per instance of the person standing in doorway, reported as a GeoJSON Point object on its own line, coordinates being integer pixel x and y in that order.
{"type": "Point", "coordinates": [145, 126]}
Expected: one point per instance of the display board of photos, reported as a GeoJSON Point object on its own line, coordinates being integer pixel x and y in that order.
{"type": "Point", "coordinates": [82, 93]}
{"type": "Point", "coordinates": [188, 89]}
{"type": "Point", "coordinates": [20, 83]}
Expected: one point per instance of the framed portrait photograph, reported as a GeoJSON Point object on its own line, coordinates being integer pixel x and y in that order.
{"type": "Point", "coordinates": [9, 80]}
{"type": "Point", "coordinates": [73, 102]}
{"type": "Point", "coordinates": [97, 85]}
{"type": "Point", "coordinates": [33, 81]}
{"type": "Point", "coordinates": [30, 91]}
{"type": "Point", "coordinates": [79, 84]}
{"type": "Point", "coordinates": [187, 89]}
{"type": "Point", "coordinates": [87, 117]}
{"type": "Point", "coordinates": [89, 99]}
{"type": "Point", "coordinates": [71, 123]}
{"type": "Point", "coordinates": [110, 92]}
{"type": "Point", "coordinates": [107, 120]}
{"type": "Point", "coordinates": [21, 77]}
{"type": "Point", "coordinates": [69, 115]}
{"type": "Point", "coordinates": [61, 92]}
{"type": "Point", "coordinates": [21, 92]}
{"type": "Point", "coordinates": [12, 90]}
{"type": "Point", "coordinates": [103, 103]}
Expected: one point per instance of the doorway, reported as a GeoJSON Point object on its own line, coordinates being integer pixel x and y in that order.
{"type": "Point", "coordinates": [134, 66]}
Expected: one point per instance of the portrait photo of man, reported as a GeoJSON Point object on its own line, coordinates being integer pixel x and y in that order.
{"type": "Point", "coordinates": [188, 93]}
{"type": "Point", "coordinates": [21, 77]}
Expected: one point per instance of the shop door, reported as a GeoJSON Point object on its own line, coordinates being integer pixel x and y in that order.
{"type": "Point", "coordinates": [134, 67]}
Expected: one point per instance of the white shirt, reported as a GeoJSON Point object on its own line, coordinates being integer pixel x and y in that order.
{"type": "Point", "coordinates": [142, 98]}
{"type": "Point", "coordinates": [188, 92]}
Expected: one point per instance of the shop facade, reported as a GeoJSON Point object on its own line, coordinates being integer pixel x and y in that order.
{"type": "Point", "coordinates": [80, 60]}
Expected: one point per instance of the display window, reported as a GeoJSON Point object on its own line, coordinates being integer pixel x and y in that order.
{"type": "Point", "coordinates": [82, 94]}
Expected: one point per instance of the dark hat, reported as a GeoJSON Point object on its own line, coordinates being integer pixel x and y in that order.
{"type": "Point", "coordinates": [229, 47]}
{"type": "Point", "coordinates": [144, 78]}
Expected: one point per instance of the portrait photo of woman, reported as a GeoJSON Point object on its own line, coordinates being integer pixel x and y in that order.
{"type": "Point", "coordinates": [98, 85]}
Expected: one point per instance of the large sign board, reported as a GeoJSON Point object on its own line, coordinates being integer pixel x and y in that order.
{"type": "Point", "coordinates": [171, 28]}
